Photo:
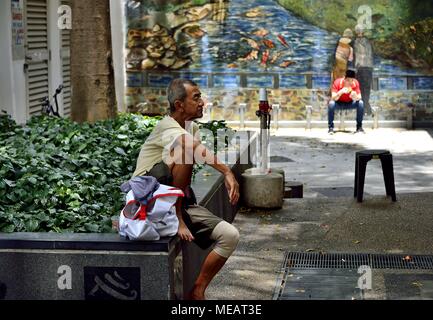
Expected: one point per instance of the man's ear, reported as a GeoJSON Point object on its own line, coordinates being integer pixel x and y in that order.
{"type": "Point", "coordinates": [178, 105]}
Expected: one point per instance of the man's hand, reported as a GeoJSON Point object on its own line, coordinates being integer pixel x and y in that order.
{"type": "Point", "coordinates": [232, 187]}
{"type": "Point", "coordinates": [184, 233]}
{"type": "Point", "coordinates": [354, 96]}
{"type": "Point", "coordinates": [343, 91]}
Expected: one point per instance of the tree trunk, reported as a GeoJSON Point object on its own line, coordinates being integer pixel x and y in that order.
{"type": "Point", "coordinates": [92, 75]}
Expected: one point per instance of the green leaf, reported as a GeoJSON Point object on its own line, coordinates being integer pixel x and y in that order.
{"type": "Point", "coordinates": [120, 151]}
{"type": "Point", "coordinates": [9, 229]}
{"type": "Point", "coordinates": [91, 227]}
{"type": "Point", "coordinates": [10, 183]}
{"type": "Point", "coordinates": [32, 225]}
{"type": "Point", "coordinates": [33, 180]}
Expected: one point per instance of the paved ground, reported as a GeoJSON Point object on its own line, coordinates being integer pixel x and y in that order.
{"type": "Point", "coordinates": [337, 223]}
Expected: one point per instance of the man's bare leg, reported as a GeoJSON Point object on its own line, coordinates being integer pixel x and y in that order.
{"type": "Point", "coordinates": [212, 264]}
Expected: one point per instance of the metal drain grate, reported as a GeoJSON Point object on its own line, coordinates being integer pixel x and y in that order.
{"type": "Point", "coordinates": [310, 260]}
{"type": "Point", "coordinates": [312, 275]}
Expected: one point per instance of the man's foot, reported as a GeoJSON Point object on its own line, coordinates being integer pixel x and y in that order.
{"type": "Point", "coordinates": [360, 130]}
{"type": "Point", "coordinates": [331, 131]}
{"type": "Point", "coordinates": [196, 294]}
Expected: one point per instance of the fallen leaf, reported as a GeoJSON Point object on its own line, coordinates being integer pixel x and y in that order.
{"type": "Point", "coordinates": [357, 242]}
{"type": "Point", "coordinates": [206, 174]}
{"type": "Point", "coordinates": [407, 258]}
{"type": "Point", "coordinates": [310, 250]}
{"type": "Point", "coordinates": [300, 291]}
{"type": "Point", "coordinates": [417, 284]}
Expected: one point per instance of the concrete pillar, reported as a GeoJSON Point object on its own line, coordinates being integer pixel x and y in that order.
{"type": "Point", "coordinates": [309, 111]}
{"type": "Point", "coordinates": [342, 125]}
{"type": "Point", "coordinates": [242, 110]}
{"type": "Point", "coordinates": [409, 117]}
{"type": "Point", "coordinates": [276, 116]}
{"type": "Point", "coordinates": [263, 190]}
{"type": "Point", "coordinates": [375, 111]}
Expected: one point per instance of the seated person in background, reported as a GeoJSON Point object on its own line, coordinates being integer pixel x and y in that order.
{"type": "Point", "coordinates": [168, 155]}
{"type": "Point", "coordinates": [346, 94]}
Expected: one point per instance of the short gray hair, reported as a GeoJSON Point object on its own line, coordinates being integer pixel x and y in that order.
{"type": "Point", "coordinates": [176, 91]}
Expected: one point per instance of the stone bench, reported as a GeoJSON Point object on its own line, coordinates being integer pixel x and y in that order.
{"type": "Point", "coordinates": [49, 266]}
{"type": "Point", "coordinates": [105, 266]}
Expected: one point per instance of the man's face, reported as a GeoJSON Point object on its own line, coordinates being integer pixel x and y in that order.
{"type": "Point", "coordinates": [193, 104]}
{"type": "Point", "coordinates": [348, 82]}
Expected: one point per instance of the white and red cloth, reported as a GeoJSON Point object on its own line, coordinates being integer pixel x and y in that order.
{"type": "Point", "coordinates": [153, 220]}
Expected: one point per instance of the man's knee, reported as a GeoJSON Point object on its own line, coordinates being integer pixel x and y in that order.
{"type": "Point", "coordinates": [232, 236]}
{"type": "Point", "coordinates": [227, 239]}
{"type": "Point", "coordinates": [331, 104]}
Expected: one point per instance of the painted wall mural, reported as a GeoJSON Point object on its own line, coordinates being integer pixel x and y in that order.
{"type": "Point", "coordinates": [225, 45]}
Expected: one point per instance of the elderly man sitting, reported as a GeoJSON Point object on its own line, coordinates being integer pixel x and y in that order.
{"type": "Point", "coordinates": [168, 155]}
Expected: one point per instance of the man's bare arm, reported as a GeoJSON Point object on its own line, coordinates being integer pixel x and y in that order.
{"type": "Point", "coordinates": [211, 159]}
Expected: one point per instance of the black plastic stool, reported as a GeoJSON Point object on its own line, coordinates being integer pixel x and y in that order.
{"type": "Point", "coordinates": [362, 158]}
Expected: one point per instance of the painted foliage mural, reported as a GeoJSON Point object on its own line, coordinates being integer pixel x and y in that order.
{"type": "Point", "coordinates": [233, 47]}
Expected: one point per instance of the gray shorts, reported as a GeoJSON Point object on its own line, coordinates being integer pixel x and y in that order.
{"type": "Point", "coordinates": [199, 220]}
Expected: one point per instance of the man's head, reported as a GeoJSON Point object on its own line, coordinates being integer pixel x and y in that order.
{"type": "Point", "coordinates": [350, 73]}
{"type": "Point", "coordinates": [348, 33]}
{"type": "Point", "coordinates": [359, 30]}
{"type": "Point", "coordinates": [350, 76]}
{"type": "Point", "coordinates": [184, 98]}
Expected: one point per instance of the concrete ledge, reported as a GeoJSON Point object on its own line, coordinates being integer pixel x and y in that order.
{"type": "Point", "coordinates": [40, 266]}
{"type": "Point", "coordinates": [82, 241]}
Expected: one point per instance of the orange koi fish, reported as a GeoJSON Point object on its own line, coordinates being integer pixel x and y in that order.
{"type": "Point", "coordinates": [261, 32]}
{"type": "Point", "coordinates": [265, 57]}
{"type": "Point", "coordinates": [252, 43]}
{"type": "Point", "coordinates": [253, 55]}
{"type": "Point", "coordinates": [268, 43]}
{"type": "Point", "coordinates": [283, 41]}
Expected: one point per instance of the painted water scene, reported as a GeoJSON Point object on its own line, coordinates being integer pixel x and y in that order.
{"type": "Point", "coordinates": [278, 44]}
{"type": "Point", "coordinates": [275, 36]}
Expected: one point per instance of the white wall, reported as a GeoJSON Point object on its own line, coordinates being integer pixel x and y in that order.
{"type": "Point", "coordinates": [12, 77]}
{"type": "Point", "coordinates": [117, 35]}
{"type": "Point", "coordinates": [6, 97]}
{"type": "Point", "coordinates": [19, 93]}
